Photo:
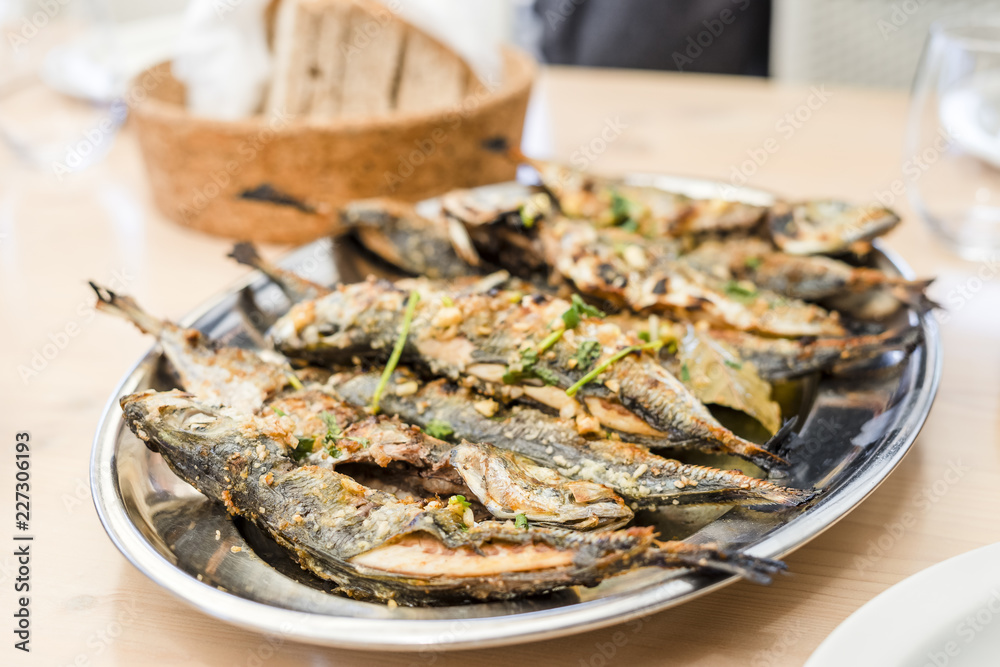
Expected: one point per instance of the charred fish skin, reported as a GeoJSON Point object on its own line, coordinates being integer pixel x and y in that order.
{"type": "Point", "coordinates": [369, 543]}
{"type": "Point", "coordinates": [233, 376]}
{"type": "Point", "coordinates": [783, 359]}
{"type": "Point", "coordinates": [807, 277]}
{"type": "Point", "coordinates": [825, 227]}
{"type": "Point", "coordinates": [631, 470]}
{"type": "Point", "coordinates": [420, 246]}
{"type": "Point", "coordinates": [489, 336]}
{"type": "Point", "coordinates": [649, 277]}
{"type": "Point", "coordinates": [505, 484]}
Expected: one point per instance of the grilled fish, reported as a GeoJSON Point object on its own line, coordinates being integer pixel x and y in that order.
{"type": "Point", "coordinates": [330, 433]}
{"type": "Point", "coordinates": [506, 342]}
{"type": "Point", "coordinates": [229, 375]}
{"type": "Point", "coordinates": [649, 211]}
{"type": "Point", "coordinates": [325, 425]}
{"type": "Point", "coordinates": [778, 359]}
{"type": "Point", "coordinates": [643, 275]}
{"type": "Point", "coordinates": [799, 277]}
{"type": "Point", "coordinates": [826, 227]}
{"type": "Point", "coordinates": [369, 543]}
{"type": "Point", "coordinates": [396, 233]}
{"type": "Point", "coordinates": [631, 470]}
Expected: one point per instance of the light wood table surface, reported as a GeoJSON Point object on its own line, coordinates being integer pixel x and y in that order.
{"type": "Point", "coordinates": [91, 607]}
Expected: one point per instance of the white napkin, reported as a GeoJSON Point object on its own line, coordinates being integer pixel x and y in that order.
{"type": "Point", "coordinates": [222, 57]}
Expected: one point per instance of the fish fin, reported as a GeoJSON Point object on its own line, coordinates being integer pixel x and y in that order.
{"type": "Point", "coordinates": [126, 308]}
{"type": "Point", "coordinates": [709, 556]}
{"type": "Point", "coordinates": [245, 253]}
{"type": "Point", "coordinates": [778, 444]}
{"type": "Point", "coordinates": [293, 285]}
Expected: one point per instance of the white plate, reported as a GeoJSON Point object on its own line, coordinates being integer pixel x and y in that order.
{"type": "Point", "coordinates": [947, 615]}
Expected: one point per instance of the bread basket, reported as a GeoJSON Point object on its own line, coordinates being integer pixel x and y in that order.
{"type": "Point", "coordinates": [278, 179]}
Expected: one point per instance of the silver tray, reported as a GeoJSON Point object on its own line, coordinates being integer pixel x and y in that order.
{"type": "Point", "coordinates": [854, 429]}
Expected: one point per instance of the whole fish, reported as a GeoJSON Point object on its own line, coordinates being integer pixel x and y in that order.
{"type": "Point", "coordinates": [645, 276]}
{"type": "Point", "coordinates": [825, 227]}
{"type": "Point", "coordinates": [510, 344]}
{"type": "Point", "coordinates": [777, 358]}
{"type": "Point", "coordinates": [232, 376]}
{"type": "Point", "coordinates": [795, 276]}
{"type": "Point", "coordinates": [642, 478]}
{"type": "Point", "coordinates": [649, 211]}
{"type": "Point", "coordinates": [780, 358]}
{"type": "Point", "coordinates": [371, 544]}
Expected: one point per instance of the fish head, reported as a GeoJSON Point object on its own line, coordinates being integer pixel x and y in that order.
{"type": "Point", "coordinates": [826, 226]}
{"type": "Point", "coordinates": [192, 436]}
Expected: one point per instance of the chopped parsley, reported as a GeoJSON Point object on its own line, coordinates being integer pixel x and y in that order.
{"type": "Point", "coordinates": [685, 373]}
{"type": "Point", "coordinates": [440, 429]}
{"type": "Point", "coordinates": [621, 213]}
{"type": "Point", "coordinates": [304, 448]}
{"type": "Point", "coordinates": [521, 521]}
{"type": "Point", "coordinates": [333, 429]}
{"type": "Point", "coordinates": [279, 412]}
{"type": "Point", "coordinates": [459, 501]}
{"type": "Point", "coordinates": [753, 262]}
{"type": "Point", "coordinates": [587, 353]}
{"type": "Point", "coordinates": [397, 350]}
{"type": "Point", "coordinates": [578, 310]}
{"type": "Point", "coordinates": [735, 365]}
{"type": "Point", "coordinates": [527, 368]}
{"type": "Point", "coordinates": [447, 301]}
{"type": "Point", "coordinates": [740, 292]}
{"type": "Point", "coordinates": [644, 336]}
{"type": "Point", "coordinates": [620, 354]}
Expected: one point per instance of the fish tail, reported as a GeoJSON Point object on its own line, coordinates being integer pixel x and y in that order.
{"type": "Point", "coordinates": [684, 554]}
{"type": "Point", "coordinates": [751, 489]}
{"type": "Point", "coordinates": [763, 457]}
{"type": "Point", "coordinates": [293, 285]}
{"type": "Point", "coordinates": [126, 308]}
{"type": "Point", "coordinates": [913, 294]}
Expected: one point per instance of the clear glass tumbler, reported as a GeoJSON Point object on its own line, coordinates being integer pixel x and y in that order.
{"type": "Point", "coordinates": [952, 158]}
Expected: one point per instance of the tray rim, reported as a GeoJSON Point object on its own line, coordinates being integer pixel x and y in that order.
{"type": "Point", "coordinates": [408, 634]}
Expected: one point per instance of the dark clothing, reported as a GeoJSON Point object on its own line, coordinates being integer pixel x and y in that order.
{"type": "Point", "coordinates": [720, 36]}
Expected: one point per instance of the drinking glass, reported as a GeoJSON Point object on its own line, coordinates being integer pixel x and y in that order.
{"type": "Point", "coordinates": [952, 158]}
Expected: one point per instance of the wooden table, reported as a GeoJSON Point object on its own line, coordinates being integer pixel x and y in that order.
{"type": "Point", "coordinates": [91, 607]}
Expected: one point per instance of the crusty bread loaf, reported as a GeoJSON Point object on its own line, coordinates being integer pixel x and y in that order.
{"type": "Point", "coordinates": [356, 58]}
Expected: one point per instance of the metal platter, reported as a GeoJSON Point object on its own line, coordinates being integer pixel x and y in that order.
{"type": "Point", "coordinates": [853, 429]}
